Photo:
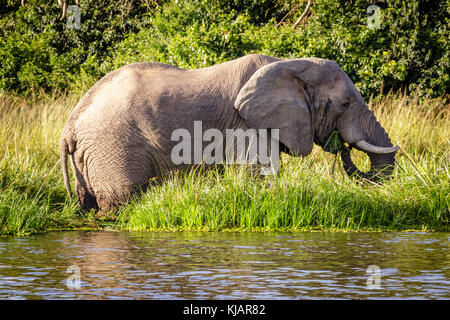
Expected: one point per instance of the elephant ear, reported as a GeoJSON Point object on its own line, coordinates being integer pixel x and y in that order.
{"type": "Point", "coordinates": [275, 97]}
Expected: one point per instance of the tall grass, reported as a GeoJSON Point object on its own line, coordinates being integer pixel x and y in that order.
{"type": "Point", "coordinates": [307, 193]}
{"type": "Point", "coordinates": [32, 198]}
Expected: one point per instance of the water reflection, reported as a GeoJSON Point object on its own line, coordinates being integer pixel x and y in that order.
{"type": "Point", "coordinates": [225, 265]}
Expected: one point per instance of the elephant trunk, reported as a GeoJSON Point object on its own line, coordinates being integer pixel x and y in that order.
{"type": "Point", "coordinates": [377, 145]}
{"type": "Point", "coordinates": [382, 166]}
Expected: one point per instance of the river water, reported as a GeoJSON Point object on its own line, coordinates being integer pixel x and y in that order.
{"type": "Point", "coordinates": [225, 265]}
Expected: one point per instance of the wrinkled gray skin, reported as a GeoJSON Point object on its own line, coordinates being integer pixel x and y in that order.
{"type": "Point", "coordinates": [119, 134]}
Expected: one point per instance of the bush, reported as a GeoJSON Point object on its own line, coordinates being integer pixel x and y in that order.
{"type": "Point", "coordinates": [409, 51]}
{"type": "Point", "coordinates": [37, 50]}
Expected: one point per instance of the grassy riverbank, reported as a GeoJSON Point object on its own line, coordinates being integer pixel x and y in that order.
{"type": "Point", "coordinates": [306, 194]}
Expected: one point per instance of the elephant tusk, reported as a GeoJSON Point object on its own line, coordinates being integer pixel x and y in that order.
{"type": "Point", "coordinates": [365, 146]}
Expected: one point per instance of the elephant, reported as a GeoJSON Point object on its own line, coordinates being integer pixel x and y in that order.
{"type": "Point", "coordinates": [119, 133]}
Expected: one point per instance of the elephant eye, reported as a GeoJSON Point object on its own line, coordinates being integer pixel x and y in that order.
{"type": "Point", "coordinates": [345, 104]}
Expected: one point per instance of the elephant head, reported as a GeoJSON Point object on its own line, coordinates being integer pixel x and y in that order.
{"type": "Point", "coordinates": [307, 99]}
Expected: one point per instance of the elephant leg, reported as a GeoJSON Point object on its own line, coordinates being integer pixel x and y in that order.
{"type": "Point", "coordinates": [86, 199]}
{"type": "Point", "coordinates": [110, 200]}
{"type": "Point", "coordinates": [122, 181]}
{"type": "Point", "coordinates": [84, 192]}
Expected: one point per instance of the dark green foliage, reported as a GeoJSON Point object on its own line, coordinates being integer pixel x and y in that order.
{"type": "Point", "coordinates": [334, 142]}
{"type": "Point", "coordinates": [37, 50]}
{"type": "Point", "coordinates": [409, 51]}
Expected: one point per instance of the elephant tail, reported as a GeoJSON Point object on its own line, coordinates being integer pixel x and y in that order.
{"type": "Point", "coordinates": [63, 153]}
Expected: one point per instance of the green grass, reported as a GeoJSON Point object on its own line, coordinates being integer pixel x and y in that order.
{"type": "Point", "coordinates": [311, 193]}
